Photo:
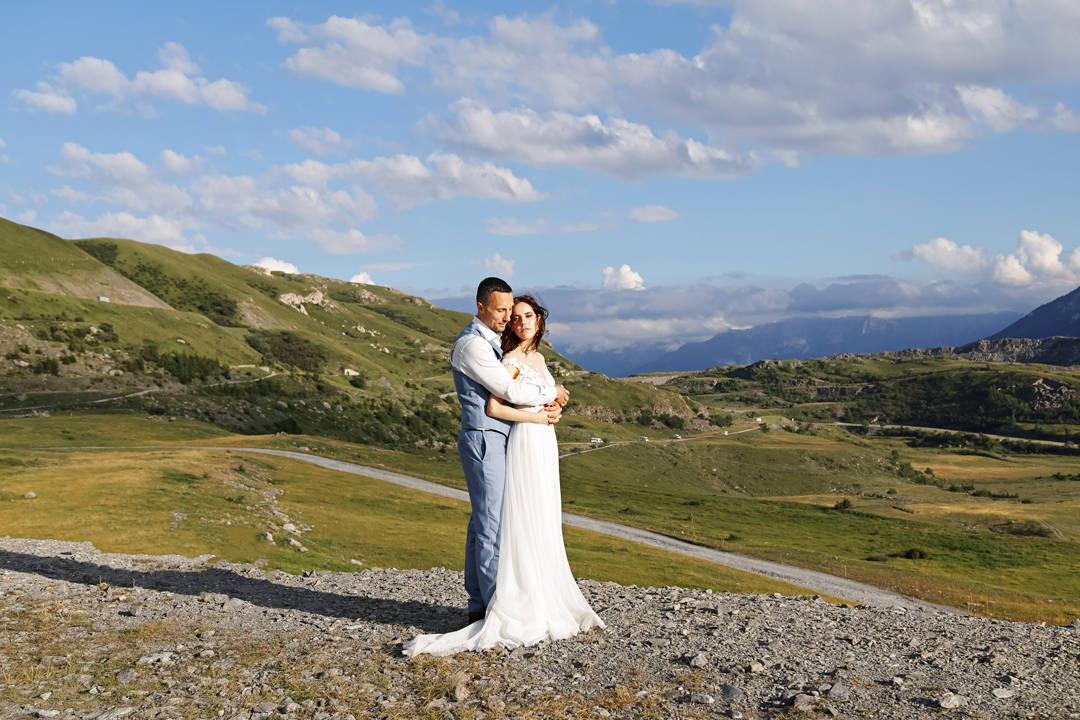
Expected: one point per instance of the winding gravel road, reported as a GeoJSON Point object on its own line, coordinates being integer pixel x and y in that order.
{"type": "Point", "coordinates": [818, 581]}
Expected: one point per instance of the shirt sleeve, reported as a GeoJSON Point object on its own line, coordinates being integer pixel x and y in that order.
{"type": "Point", "coordinates": [476, 358]}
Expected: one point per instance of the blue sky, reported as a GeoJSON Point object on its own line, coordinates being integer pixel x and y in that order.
{"type": "Point", "coordinates": [656, 171]}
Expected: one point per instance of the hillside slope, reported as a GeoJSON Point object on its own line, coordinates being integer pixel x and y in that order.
{"type": "Point", "coordinates": [1059, 317]}
{"type": "Point", "coordinates": [33, 259]}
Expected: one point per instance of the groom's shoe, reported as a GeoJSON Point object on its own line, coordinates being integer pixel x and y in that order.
{"type": "Point", "coordinates": [476, 615]}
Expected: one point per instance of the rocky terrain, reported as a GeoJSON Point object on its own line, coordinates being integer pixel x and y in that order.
{"type": "Point", "coordinates": [89, 635]}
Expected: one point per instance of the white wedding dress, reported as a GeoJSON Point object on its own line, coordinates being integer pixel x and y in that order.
{"type": "Point", "coordinates": [536, 597]}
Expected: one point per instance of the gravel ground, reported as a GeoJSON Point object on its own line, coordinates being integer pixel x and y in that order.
{"type": "Point", "coordinates": [89, 635]}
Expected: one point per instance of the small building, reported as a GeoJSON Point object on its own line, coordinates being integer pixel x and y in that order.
{"type": "Point", "coordinates": [644, 438]}
{"type": "Point", "coordinates": [596, 441]}
{"type": "Point", "coordinates": [350, 371]}
{"type": "Point", "coordinates": [676, 436]}
{"type": "Point", "coordinates": [725, 433]}
{"type": "Point", "coordinates": [757, 420]}
{"type": "Point", "coordinates": [103, 298]}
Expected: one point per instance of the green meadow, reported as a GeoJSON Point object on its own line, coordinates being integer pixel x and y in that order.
{"type": "Point", "coordinates": [194, 502]}
{"type": "Point", "coordinates": [996, 535]}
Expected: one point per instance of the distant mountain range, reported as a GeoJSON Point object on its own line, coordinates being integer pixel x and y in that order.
{"type": "Point", "coordinates": [1060, 317]}
{"type": "Point", "coordinates": [801, 338]}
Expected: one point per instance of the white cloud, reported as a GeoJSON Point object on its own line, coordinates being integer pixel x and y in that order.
{"type": "Point", "coordinates": [124, 179]}
{"type": "Point", "coordinates": [499, 265]}
{"type": "Point", "coordinates": [174, 56]}
{"type": "Point", "coordinates": [1037, 260]}
{"type": "Point", "coordinates": [69, 194]}
{"type": "Point", "coordinates": [94, 75]}
{"type": "Point", "coordinates": [362, 278]}
{"type": "Point", "coordinates": [622, 279]}
{"type": "Point", "coordinates": [151, 229]}
{"type": "Point", "coordinates": [271, 264]}
{"type": "Point", "coordinates": [178, 164]}
{"type": "Point", "coordinates": [26, 217]}
{"type": "Point", "coordinates": [407, 180]}
{"type": "Point", "coordinates": [947, 255]}
{"type": "Point", "coordinates": [1000, 111]}
{"type": "Point", "coordinates": [1008, 270]}
{"type": "Point", "coordinates": [1065, 119]}
{"type": "Point", "coordinates": [177, 80]}
{"type": "Point", "coordinates": [228, 198]}
{"type": "Point", "coordinates": [513, 226]}
{"type": "Point", "coordinates": [352, 52]}
{"type": "Point", "coordinates": [653, 213]}
{"type": "Point", "coordinates": [617, 147]}
{"type": "Point", "coordinates": [48, 99]}
{"type": "Point", "coordinates": [321, 141]}
{"type": "Point", "coordinates": [352, 241]}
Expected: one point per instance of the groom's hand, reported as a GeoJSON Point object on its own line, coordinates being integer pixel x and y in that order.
{"type": "Point", "coordinates": [553, 411]}
{"type": "Point", "coordinates": [562, 395]}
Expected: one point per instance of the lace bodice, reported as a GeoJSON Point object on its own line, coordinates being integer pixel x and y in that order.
{"type": "Point", "coordinates": [530, 374]}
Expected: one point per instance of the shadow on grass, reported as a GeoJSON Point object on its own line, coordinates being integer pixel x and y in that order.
{"type": "Point", "coordinates": [257, 591]}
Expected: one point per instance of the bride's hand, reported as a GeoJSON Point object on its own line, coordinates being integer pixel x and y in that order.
{"type": "Point", "coordinates": [553, 412]}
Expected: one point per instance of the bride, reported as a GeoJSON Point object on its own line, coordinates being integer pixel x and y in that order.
{"type": "Point", "coordinates": [536, 597]}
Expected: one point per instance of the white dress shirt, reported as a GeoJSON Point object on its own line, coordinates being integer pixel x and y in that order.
{"type": "Point", "coordinates": [474, 355]}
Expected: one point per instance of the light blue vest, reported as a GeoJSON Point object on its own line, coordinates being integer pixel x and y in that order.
{"type": "Point", "coordinates": [473, 396]}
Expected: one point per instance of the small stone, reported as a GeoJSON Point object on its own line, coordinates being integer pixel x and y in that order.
{"type": "Point", "coordinates": [30, 495]}
{"type": "Point", "coordinates": [699, 661]}
{"type": "Point", "coordinates": [897, 680]}
{"type": "Point", "coordinates": [755, 667]}
{"type": "Point", "coordinates": [266, 706]}
{"type": "Point", "coordinates": [1003, 693]}
{"type": "Point", "coordinates": [700, 698]}
{"type": "Point", "coordinates": [732, 694]}
{"type": "Point", "coordinates": [951, 701]}
{"type": "Point", "coordinates": [803, 702]}
{"type": "Point", "coordinates": [47, 713]}
{"type": "Point", "coordinates": [45, 695]}
{"type": "Point", "coordinates": [460, 692]}
{"type": "Point", "coordinates": [163, 658]}
{"type": "Point", "coordinates": [438, 704]}
{"type": "Point", "coordinates": [116, 713]}
{"type": "Point", "coordinates": [839, 691]}
{"type": "Point", "coordinates": [126, 675]}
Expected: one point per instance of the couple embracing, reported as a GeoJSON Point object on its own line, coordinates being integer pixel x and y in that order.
{"type": "Point", "coordinates": [520, 587]}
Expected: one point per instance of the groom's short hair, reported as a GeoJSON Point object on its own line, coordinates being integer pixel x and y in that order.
{"type": "Point", "coordinates": [490, 285]}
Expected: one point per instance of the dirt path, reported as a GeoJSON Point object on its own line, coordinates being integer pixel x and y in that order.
{"type": "Point", "coordinates": [818, 581]}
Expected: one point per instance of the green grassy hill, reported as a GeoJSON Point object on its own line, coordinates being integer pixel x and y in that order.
{"type": "Point", "coordinates": [36, 260]}
{"type": "Point", "coordinates": [358, 362]}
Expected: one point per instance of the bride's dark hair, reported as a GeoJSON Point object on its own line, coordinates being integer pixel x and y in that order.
{"type": "Point", "coordinates": [511, 341]}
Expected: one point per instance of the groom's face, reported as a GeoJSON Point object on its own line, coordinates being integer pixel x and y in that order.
{"type": "Point", "coordinates": [495, 313]}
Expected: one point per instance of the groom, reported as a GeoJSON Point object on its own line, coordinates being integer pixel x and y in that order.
{"type": "Point", "coordinates": [475, 361]}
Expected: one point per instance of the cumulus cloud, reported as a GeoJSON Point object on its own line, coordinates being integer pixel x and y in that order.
{"type": "Point", "coordinates": [352, 52]}
{"type": "Point", "coordinates": [1000, 111]}
{"type": "Point", "coordinates": [499, 265]}
{"type": "Point", "coordinates": [69, 194]}
{"type": "Point", "coordinates": [653, 213]}
{"type": "Point", "coordinates": [177, 80]}
{"type": "Point", "coordinates": [622, 279]}
{"type": "Point", "coordinates": [321, 141]}
{"type": "Point", "coordinates": [947, 255]}
{"type": "Point", "coordinates": [1065, 119]}
{"type": "Point", "coordinates": [296, 207]}
{"type": "Point", "coordinates": [271, 264]}
{"type": "Point", "coordinates": [122, 178]}
{"type": "Point", "coordinates": [513, 226]}
{"type": "Point", "coordinates": [152, 229]}
{"type": "Point", "coordinates": [176, 163]}
{"type": "Point", "coordinates": [47, 99]}
{"type": "Point", "coordinates": [352, 241]}
{"type": "Point", "coordinates": [1037, 260]}
{"type": "Point", "coordinates": [617, 147]}
{"type": "Point", "coordinates": [406, 180]}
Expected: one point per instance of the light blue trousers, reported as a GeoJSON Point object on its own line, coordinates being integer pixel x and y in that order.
{"type": "Point", "coordinates": [483, 457]}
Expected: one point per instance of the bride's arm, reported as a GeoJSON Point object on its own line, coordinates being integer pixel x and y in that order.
{"type": "Point", "coordinates": [496, 408]}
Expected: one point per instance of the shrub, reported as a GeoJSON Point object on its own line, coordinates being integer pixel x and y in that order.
{"type": "Point", "coordinates": [914, 554]}
{"type": "Point", "coordinates": [46, 365]}
{"type": "Point", "coordinates": [357, 381]}
{"type": "Point", "coordinates": [288, 348]}
{"type": "Point", "coordinates": [842, 504]}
